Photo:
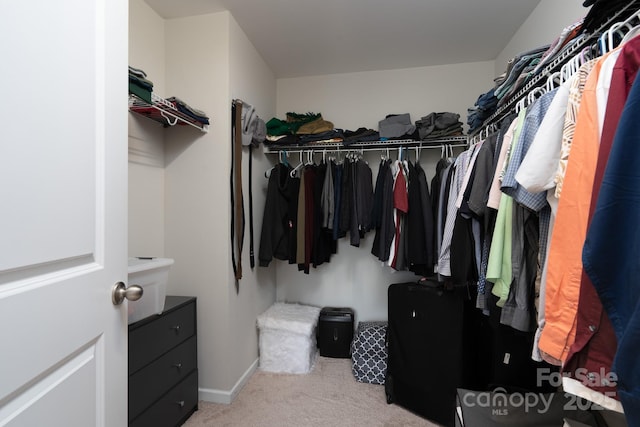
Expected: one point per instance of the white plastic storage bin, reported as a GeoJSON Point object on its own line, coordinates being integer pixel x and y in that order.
{"type": "Point", "coordinates": [288, 338]}
{"type": "Point", "coordinates": [152, 275]}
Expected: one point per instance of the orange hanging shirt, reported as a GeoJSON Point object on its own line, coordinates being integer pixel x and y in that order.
{"type": "Point", "coordinates": [564, 271]}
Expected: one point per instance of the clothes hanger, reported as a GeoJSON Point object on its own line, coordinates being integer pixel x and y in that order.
{"type": "Point", "coordinates": [267, 173]}
{"type": "Point", "coordinates": [567, 70]}
{"type": "Point", "coordinates": [282, 158]}
{"type": "Point", "coordinates": [615, 29]}
{"type": "Point", "coordinates": [585, 55]}
{"type": "Point", "coordinates": [551, 80]}
{"type": "Point", "coordinates": [531, 96]}
{"type": "Point", "coordinates": [450, 155]}
{"type": "Point", "coordinates": [634, 29]}
{"type": "Point", "coordinates": [309, 158]}
{"type": "Point", "coordinates": [294, 170]}
{"type": "Point", "coordinates": [602, 45]}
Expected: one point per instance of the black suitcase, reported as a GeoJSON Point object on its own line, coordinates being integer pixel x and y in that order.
{"type": "Point", "coordinates": [434, 339]}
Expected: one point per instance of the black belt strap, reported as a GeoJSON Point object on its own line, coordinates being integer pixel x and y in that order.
{"type": "Point", "coordinates": [237, 203]}
{"type": "Point", "coordinates": [252, 260]}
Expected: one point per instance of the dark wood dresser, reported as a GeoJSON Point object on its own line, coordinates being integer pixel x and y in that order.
{"type": "Point", "coordinates": [163, 365]}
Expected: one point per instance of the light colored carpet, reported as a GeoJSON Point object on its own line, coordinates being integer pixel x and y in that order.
{"type": "Point", "coordinates": [328, 396]}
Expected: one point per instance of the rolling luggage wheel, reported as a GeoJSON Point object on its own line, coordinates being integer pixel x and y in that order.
{"type": "Point", "coordinates": [388, 389]}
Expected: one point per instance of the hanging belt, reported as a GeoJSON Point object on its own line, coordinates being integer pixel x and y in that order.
{"type": "Point", "coordinates": [237, 203]}
{"type": "Point", "coordinates": [252, 261]}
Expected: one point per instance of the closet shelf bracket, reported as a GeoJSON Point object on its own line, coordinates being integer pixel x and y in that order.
{"type": "Point", "coordinates": [164, 112]}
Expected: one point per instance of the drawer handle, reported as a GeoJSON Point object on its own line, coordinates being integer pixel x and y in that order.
{"type": "Point", "coordinates": [180, 403]}
{"type": "Point", "coordinates": [178, 365]}
{"type": "Point", "coordinates": [176, 329]}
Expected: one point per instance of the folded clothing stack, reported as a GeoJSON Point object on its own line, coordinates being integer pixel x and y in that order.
{"type": "Point", "coordinates": [139, 85]}
{"type": "Point", "coordinates": [362, 134]}
{"type": "Point", "coordinates": [485, 106]}
{"type": "Point", "coordinates": [396, 126]}
{"type": "Point", "coordinates": [520, 70]}
{"type": "Point", "coordinates": [300, 129]}
{"type": "Point", "coordinates": [600, 12]}
{"type": "Point", "coordinates": [439, 125]}
{"type": "Point", "coordinates": [183, 107]}
{"type": "Point", "coordinates": [298, 124]}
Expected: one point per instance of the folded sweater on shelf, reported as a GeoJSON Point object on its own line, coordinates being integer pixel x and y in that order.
{"type": "Point", "coordinates": [185, 108]}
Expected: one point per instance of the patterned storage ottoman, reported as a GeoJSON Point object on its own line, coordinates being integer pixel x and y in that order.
{"type": "Point", "coordinates": [369, 352]}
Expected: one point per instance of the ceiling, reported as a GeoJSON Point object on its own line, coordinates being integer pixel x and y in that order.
{"type": "Point", "coordinates": [312, 37]}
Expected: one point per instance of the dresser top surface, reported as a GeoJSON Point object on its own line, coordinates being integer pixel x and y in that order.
{"type": "Point", "coordinates": [171, 303]}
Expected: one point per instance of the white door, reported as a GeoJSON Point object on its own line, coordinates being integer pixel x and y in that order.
{"type": "Point", "coordinates": [63, 192]}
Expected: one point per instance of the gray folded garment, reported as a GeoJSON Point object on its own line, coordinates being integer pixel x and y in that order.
{"type": "Point", "coordinates": [430, 125]}
{"type": "Point", "coordinates": [445, 120]}
{"type": "Point", "coordinates": [396, 125]}
{"type": "Point", "coordinates": [194, 111]}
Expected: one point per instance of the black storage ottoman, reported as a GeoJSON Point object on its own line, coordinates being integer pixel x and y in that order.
{"type": "Point", "coordinates": [335, 332]}
{"type": "Point", "coordinates": [369, 353]}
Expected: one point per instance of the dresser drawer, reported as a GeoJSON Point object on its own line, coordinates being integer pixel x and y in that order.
{"type": "Point", "coordinates": [172, 408]}
{"type": "Point", "coordinates": [150, 382]}
{"type": "Point", "coordinates": [151, 340]}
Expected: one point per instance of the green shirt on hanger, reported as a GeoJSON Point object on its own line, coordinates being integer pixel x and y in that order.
{"type": "Point", "coordinates": [499, 267]}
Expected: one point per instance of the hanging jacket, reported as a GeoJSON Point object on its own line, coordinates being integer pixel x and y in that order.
{"type": "Point", "coordinates": [274, 238]}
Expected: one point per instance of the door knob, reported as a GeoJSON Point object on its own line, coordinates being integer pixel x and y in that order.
{"type": "Point", "coordinates": [120, 292]}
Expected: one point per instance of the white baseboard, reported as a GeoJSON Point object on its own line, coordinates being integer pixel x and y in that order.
{"type": "Point", "coordinates": [226, 397]}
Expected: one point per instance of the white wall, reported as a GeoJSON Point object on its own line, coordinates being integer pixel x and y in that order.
{"type": "Point", "coordinates": [196, 189]}
{"type": "Point", "coordinates": [197, 205]}
{"type": "Point", "coordinates": [146, 137]}
{"type": "Point", "coordinates": [542, 27]}
{"type": "Point", "coordinates": [354, 278]}
{"type": "Point", "coordinates": [251, 81]}
{"type": "Point", "coordinates": [362, 99]}
{"type": "Point", "coordinates": [179, 182]}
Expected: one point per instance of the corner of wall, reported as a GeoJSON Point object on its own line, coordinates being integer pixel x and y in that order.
{"type": "Point", "coordinates": [146, 137]}
{"type": "Point", "coordinates": [197, 189]}
{"type": "Point", "coordinates": [224, 396]}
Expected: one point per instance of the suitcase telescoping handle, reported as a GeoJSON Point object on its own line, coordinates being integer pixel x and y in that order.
{"type": "Point", "coordinates": [430, 283]}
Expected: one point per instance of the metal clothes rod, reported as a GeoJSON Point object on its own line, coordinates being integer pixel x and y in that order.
{"type": "Point", "coordinates": [359, 150]}
{"type": "Point", "coordinates": [368, 145]}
